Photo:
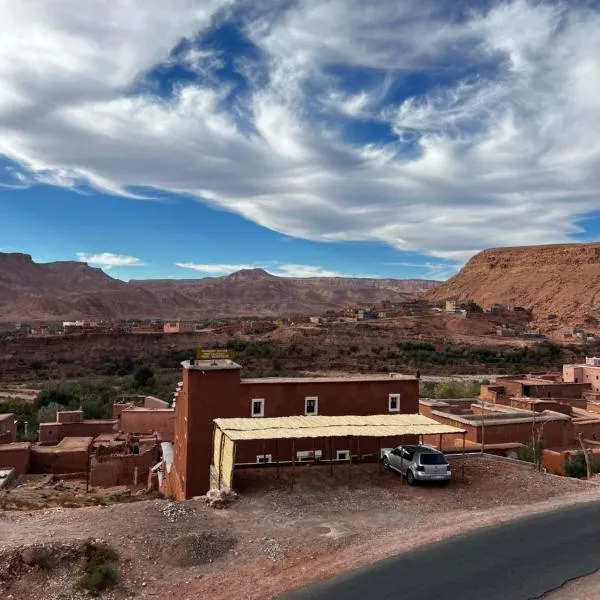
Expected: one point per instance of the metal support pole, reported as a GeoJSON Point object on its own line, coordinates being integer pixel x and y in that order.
{"type": "Point", "coordinates": [264, 450]}
{"type": "Point", "coordinates": [313, 450]}
{"type": "Point", "coordinates": [277, 457]}
{"type": "Point", "coordinates": [440, 444]}
{"type": "Point", "coordinates": [330, 456]}
{"type": "Point", "coordinates": [463, 456]}
{"type": "Point", "coordinates": [350, 461]}
{"type": "Point", "coordinates": [379, 454]}
{"type": "Point", "coordinates": [401, 445]}
{"type": "Point", "coordinates": [293, 461]}
{"type": "Point", "coordinates": [87, 475]}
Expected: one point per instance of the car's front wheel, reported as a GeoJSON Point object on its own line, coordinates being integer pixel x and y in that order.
{"type": "Point", "coordinates": [410, 477]}
{"type": "Point", "coordinates": [386, 462]}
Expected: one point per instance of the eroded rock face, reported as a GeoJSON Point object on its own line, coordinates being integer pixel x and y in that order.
{"type": "Point", "coordinates": [561, 280]}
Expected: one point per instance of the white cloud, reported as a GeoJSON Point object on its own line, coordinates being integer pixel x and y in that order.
{"type": "Point", "coordinates": [293, 270]}
{"type": "Point", "coordinates": [275, 268]}
{"type": "Point", "coordinates": [213, 268]}
{"type": "Point", "coordinates": [505, 152]}
{"type": "Point", "coordinates": [107, 260]}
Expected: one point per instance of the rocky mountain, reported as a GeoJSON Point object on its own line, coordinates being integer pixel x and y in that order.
{"type": "Point", "coordinates": [561, 280]}
{"type": "Point", "coordinates": [69, 290]}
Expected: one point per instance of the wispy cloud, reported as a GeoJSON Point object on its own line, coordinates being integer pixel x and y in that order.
{"type": "Point", "coordinates": [213, 268]}
{"type": "Point", "coordinates": [497, 144]}
{"type": "Point", "coordinates": [273, 267]}
{"type": "Point", "coordinates": [107, 260]}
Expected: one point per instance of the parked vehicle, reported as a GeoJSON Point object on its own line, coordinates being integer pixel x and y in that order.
{"type": "Point", "coordinates": [418, 463]}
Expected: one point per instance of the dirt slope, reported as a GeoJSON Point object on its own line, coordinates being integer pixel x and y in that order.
{"type": "Point", "coordinates": [560, 279]}
{"type": "Point", "coordinates": [67, 290]}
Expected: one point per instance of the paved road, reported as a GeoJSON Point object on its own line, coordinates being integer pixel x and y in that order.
{"type": "Point", "coordinates": [517, 561]}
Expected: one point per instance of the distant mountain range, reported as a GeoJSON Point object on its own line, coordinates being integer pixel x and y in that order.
{"type": "Point", "coordinates": [68, 290]}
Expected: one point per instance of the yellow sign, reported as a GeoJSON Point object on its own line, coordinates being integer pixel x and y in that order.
{"type": "Point", "coordinates": [214, 353]}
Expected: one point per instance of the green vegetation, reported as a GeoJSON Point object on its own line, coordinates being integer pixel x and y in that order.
{"type": "Point", "coordinates": [144, 377]}
{"type": "Point", "coordinates": [532, 454]}
{"type": "Point", "coordinates": [101, 568]}
{"type": "Point", "coordinates": [576, 466]}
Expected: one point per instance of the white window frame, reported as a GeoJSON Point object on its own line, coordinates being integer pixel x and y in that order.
{"type": "Point", "coordinates": [306, 399]}
{"type": "Point", "coordinates": [269, 458]}
{"type": "Point", "coordinates": [346, 454]}
{"type": "Point", "coordinates": [306, 455]}
{"type": "Point", "coordinates": [391, 398]}
{"type": "Point", "coordinates": [262, 407]}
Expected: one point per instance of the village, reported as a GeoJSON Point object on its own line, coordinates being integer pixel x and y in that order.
{"type": "Point", "coordinates": [272, 449]}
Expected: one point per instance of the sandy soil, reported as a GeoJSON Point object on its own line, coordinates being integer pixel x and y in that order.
{"type": "Point", "coordinates": [278, 536]}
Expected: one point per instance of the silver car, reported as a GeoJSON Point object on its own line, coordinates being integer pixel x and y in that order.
{"type": "Point", "coordinates": [418, 463]}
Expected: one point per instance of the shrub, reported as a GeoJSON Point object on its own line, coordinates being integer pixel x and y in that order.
{"type": "Point", "coordinates": [43, 559]}
{"type": "Point", "coordinates": [101, 569]}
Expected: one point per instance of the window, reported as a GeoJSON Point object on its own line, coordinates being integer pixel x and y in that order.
{"type": "Point", "coordinates": [258, 407]}
{"type": "Point", "coordinates": [407, 454]}
{"type": "Point", "coordinates": [264, 458]}
{"type": "Point", "coordinates": [394, 403]}
{"type": "Point", "coordinates": [305, 455]}
{"type": "Point", "coordinates": [311, 405]}
{"type": "Point", "coordinates": [342, 455]}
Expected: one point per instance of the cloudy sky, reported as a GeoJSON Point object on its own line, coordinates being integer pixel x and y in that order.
{"type": "Point", "coordinates": [389, 138]}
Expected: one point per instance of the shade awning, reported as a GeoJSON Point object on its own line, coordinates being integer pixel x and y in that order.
{"type": "Point", "coordinates": [326, 426]}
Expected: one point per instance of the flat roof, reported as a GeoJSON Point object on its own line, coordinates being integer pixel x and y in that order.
{"type": "Point", "coordinates": [339, 379]}
{"type": "Point", "coordinates": [323, 426]}
{"type": "Point", "coordinates": [14, 446]}
{"type": "Point", "coordinates": [210, 365]}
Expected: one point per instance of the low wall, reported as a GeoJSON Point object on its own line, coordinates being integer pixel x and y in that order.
{"type": "Point", "coordinates": [8, 429]}
{"type": "Point", "coordinates": [16, 455]}
{"type": "Point", "coordinates": [53, 433]}
{"type": "Point", "coordinates": [555, 461]}
{"type": "Point", "coordinates": [111, 470]}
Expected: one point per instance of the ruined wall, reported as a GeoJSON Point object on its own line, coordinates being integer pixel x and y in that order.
{"type": "Point", "coordinates": [8, 428]}
{"type": "Point", "coordinates": [112, 470]}
{"type": "Point", "coordinates": [16, 455]}
{"type": "Point", "coordinates": [53, 459]}
{"type": "Point", "coordinates": [149, 421]}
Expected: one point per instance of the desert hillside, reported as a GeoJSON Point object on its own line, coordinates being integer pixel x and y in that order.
{"type": "Point", "coordinates": [561, 280]}
{"type": "Point", "coordinates": [68, 290]}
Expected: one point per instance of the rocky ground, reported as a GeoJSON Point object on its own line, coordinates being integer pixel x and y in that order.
{"type": "Point", "coordinates": [279, 534]}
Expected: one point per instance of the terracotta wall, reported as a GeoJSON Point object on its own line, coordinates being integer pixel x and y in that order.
{"type": "Point", "coordinates": [555, 461]}
{"type": "Point", "coordinates": [16, 455]}
{"type": "Point", "coordinates": [53, 433]}
{"type": "Point", "coordinates": [69, 416]}
{"type": "Point", "coordinates": [112, 470]}
{"type": "Point", "coordinates": [149, 421]}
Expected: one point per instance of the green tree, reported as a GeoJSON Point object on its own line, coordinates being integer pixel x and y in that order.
{"type": "Point", "coordinates": [143, 377]}
{"type": "Point", "coordinates": [47, 414]}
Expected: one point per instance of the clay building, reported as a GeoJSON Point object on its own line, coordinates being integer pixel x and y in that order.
{"type": "Point", "coordinates": [179, 327]}
{"type": "Point", "coordinates": [586, 373]}
{"type": "Point", "coordinates": [214, 389]}
{"type": "Point", "coordinates": [145, 415]}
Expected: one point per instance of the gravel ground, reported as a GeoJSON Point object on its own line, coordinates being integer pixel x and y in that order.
{"type": "Point", "coordinates": [284, 533]}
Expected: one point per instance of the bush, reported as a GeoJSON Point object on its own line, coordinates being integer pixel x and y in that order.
{"type": "Point", "coordinates": [47, 414]}
{"type": "Point", "coordinates": [576, 466]}
{"type": "Point", "coordinates": [43, 559]}
{"type": "Point", "coordinates": [56, 396]}
{"type": "Point", "coordinates": [101, 569]}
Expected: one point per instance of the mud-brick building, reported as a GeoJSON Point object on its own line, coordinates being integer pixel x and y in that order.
{"type": "Point", "coordinates": [214, 389]}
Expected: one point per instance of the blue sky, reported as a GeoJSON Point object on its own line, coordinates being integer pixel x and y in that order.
{"type": "Point", "coordinates": [305, 137]}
